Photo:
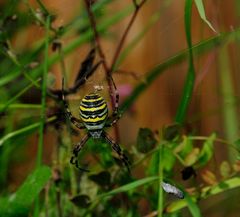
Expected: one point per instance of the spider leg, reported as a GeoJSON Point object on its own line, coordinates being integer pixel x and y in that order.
{"type": "Point", "coordinates": [74, 120]}
{"type": "Point", "coordinates": [78, 147]}
{"type": "Point", "coordinates": [118, 150]}
{"type": "Point", "coordinates": [84, 77]}
{"type": "Point", "coordinates": [115, 114]}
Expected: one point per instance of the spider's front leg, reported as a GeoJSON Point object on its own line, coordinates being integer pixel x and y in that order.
{"type": "Point", "coordinates": [75, 121]}
{"type": "Point", "coordinates": [118, 150]}
{"type": "Point", "coordinates": [78, 147]}
{"type": "Point", "coordinates": [115, 114]}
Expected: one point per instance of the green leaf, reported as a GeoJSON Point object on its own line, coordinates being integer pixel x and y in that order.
{"type": "Point", "coordinates": [185, 147]}
{"type": "Point", "coordinates": [190, 79]}
{"type": "Point", "coordinates": [225, 169]}
{"type": "Point", "coordinates": [207, 151]}
{"type": "Point", "coordinates": [201, 12]}
{"type": "Point", "coordinates": [192, 205]}
{"type": "Point", "coordinates": [18, 204]}
{"type": "Point", "coordinates": [192, 157]}
{"type": "Point", "coordinates": [168, 159]}
{"type": "Point", "coordinates": [153, 165]}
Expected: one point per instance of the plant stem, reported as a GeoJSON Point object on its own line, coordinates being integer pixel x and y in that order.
{"type": "Point", "coordinates": [189, 83]}
{"type": "Point", "coordinates": [125, 33]}
{"type": "Point", "coordinates": [43, 110]}
{"type": "Point", "coordinates": [43, 99]}
{"type": "Point", "coordinates": [10, 101]}
{"type": "Point", "coordinates": [43, 8]}
{"type": "Point", "coordinates": [229, 110]}
{"type": "Point", "coordinates": [24, 130]}
{"type": "Point", "coordinates": [21, 106]}
{"type": "Point", "coordinates": [160, 189]}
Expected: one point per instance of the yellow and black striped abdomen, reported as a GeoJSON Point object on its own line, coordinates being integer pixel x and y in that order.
{"type": "Point", "coordinates": [93, 111]}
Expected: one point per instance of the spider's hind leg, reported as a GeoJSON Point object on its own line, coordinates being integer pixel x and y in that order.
{"type": "Point", "coordinates": [78, 147]}
{"type": "Point", "coordinates": [115, 147]}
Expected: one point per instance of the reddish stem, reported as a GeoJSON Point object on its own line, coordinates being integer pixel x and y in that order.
{"type": "Point", "coordinates": [123, 38]}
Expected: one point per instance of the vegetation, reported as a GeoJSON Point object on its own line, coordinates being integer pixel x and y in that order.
{"type": "Point", "coordinates": [36, 177]}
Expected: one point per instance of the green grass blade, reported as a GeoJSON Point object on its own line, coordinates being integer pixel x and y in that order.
{"type": "Point", "coordinates": [21, 106]}
{"type": "Point", "coordinates": [13, 99]}
{"type": "Point", "coordinates": [229, 99]}
{"type": "Point", "coordinates": [23, 131]}
{"type": "Point", "coordinates": [198, 49]}
{"type": "Point", "coordinates": [201, 12]}
{"type": "Point", "coordinates": [192, 205]}
{"type": "Point", "coordinates": [189, 83]}
{"type": "Point", "coordinates": [44, 91]}
{"type": "Point", "coordinates": [160, 189]}
{"type": "Point", "coordinates": [19, 204]}
{"type": "Point", "coordinates": [43, 110]}
{"type": "Point", "coordinates": [130, 186]}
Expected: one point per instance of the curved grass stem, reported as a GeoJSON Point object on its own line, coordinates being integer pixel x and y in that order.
{"type": "Point", "coordinates": [43, 110]}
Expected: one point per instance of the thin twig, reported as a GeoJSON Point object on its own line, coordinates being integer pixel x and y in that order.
{"type": "Point", "coordinates": [43, 111]}
{"type": "Point", "coordinates": [96, 36]}
{"type": "Point", "coordinates": [125, 33]}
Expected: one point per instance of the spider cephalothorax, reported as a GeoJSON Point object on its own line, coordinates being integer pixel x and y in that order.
{"type": "Point", "coordinates": [94, 118]}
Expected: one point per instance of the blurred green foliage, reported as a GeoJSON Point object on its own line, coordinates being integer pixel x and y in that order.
{"type": "Point", "coordinates": [109, 191]}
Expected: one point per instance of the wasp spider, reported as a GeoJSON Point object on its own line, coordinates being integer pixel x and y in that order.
{"type": "Point", "coordinates": [94, 118]}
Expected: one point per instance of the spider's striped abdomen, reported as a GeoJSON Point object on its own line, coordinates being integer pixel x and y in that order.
{"type": "Point", "coordinates": [93, 111]}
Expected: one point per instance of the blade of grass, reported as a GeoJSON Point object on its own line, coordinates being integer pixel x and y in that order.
{"type": "Point", "coordinates": [124, 188]}
{"type": "Point", "coordinates": [189, 83]}
{"type": "Point", "coordinates": [160, 189]}
{"type": "Point", "coordinates": [198, 49]}
{"type": "Point", "coordinates": [201, 12]}
{"type": "Point", "coordinates": [43, 110]}
{"type": "Point", "coordinates": [21, 106]}
{"type": "Point", "coordinates": [192, 205]}
{"type": "Point", "coordinates": [42, 6]}
{"type": "Point", "coordinates": [44, 91]}
{"type": "Point", "coordinates": [24, 130]}
{"type": "Point", "coordinates": [6, 151]}
{"type": "Point", "coordinates": [229, 110]}
{"type": "Point", "coordinates": [19, 204]}
{"type": "Point", "coordinates": [130, 186]}
{"type": "Point", "coordinates": [13, 99]}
